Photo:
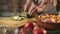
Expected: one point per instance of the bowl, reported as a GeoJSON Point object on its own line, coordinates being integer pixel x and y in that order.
{"type": "Point", "coordinates": [50, 26]}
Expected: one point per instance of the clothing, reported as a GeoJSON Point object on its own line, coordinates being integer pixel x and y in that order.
{"type": "Point", "coordinates": [48, 9]}
{"type": "Point", "coordinates": [52, 11]}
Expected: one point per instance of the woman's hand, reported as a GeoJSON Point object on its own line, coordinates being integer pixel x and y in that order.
{"type": "Point", "coordinates": [40, 8]}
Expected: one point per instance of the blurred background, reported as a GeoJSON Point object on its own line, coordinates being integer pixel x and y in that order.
{"type": "Point", "coordinates": [7, 7]}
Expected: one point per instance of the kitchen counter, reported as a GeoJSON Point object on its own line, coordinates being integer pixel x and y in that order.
{"type": "Point", "coordinates": [8, 22]}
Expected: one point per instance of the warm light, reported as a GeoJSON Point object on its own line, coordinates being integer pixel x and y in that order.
{"type": "Point", "coordinates": [44, 31]}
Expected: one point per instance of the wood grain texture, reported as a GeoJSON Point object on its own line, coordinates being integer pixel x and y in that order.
{"type": "Point", "coordinates": [12, 23]}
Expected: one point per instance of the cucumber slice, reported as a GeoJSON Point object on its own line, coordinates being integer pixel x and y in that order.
{"type": "Point", "coordinates": [15, 17]}
{"type": "Point", "coordinates": [19, 18]}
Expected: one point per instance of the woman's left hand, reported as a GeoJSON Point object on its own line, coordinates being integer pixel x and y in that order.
{"type": "Point", "coordinates": [40, 8]}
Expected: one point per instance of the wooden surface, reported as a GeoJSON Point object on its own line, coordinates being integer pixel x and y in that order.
{"type": "Point", "coordinates": [14, 24]}
{"type": "Point", "coordinates": [11, 23]}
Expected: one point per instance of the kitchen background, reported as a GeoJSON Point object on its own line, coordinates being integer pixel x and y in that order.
{"type": "Point", "coordinates": [6, 7]}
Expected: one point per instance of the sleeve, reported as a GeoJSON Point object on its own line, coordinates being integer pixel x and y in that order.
{"type": "Point", "coordinates": [27, 4]}
{"type": "Point", "coordinates": [31, 9]}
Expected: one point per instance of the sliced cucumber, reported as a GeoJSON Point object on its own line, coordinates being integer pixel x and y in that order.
{"type": "Point", "coordinates": [15, 17]}
{"type": "Point", "coordinates": [19, 18]}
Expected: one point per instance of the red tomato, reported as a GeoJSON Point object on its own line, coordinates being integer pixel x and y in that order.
{"type": "Point", "coordinates": [22, 31]}
{"type": "Point", "coordinates": [28, 25]}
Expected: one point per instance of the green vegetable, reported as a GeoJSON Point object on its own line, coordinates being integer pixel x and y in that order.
{"type": "Point", "coordinates": [19, 18]}
{"type": "Point", "coordinates": [15, 17]}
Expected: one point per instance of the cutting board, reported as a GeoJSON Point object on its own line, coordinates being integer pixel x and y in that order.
{"type": "Point", "coordinates": [11, 23]}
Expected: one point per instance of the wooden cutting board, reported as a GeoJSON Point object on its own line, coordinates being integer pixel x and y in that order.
{"type": "Point", "coordinates": [11, 23]}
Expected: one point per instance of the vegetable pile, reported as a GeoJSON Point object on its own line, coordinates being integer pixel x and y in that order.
{"type": "Point", "coordinates": [49, 18]}
{"type": "Point", "coordinates": [32, 28]}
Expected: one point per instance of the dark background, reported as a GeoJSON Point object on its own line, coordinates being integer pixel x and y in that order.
{"type": "Point", "coordinates": [7, 5]}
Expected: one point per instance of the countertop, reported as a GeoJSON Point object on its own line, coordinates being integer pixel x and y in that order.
{"type": "Point", "coordinates": [8, 22]}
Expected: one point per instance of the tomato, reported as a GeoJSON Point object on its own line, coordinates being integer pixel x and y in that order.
{"type": "Point", "coordinates": [28, 25]}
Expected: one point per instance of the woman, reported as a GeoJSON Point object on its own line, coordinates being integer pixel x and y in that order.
{"type": "Point", "coordinates": [40, 6]}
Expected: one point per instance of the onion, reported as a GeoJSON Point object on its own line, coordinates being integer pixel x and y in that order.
{"type": "Point", "coordinates": [36, 31]}
{"type": "Point", "coordinates": [53, 20]}
{"type": "Point", "coordinates": [58, 21]}
{"type": "Point", "coordinates": [43, 31]}
{"type": "Point", "coordinates": [28, 25]}
{"type": "Point", "coordinates": [39, 31]}
{"type": "Point", "coordinates": [22, 31]}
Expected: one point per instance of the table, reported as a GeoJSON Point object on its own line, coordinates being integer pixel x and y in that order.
{"type": "Point", "coordinates": [8, 22]}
